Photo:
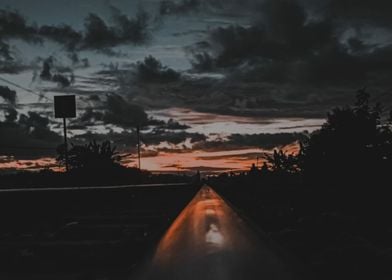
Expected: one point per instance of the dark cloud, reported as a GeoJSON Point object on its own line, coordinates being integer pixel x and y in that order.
{"type": "Point", "coordinates": [97, 34]}
{"type": "Point", "coordinates": [286, 44]}
{"type": "Point", "coordinates": [185, 7]}
{"type": "Point", "coordinates": [61, 80]}
{"type": "Point", "coordinates": [14, 25]}
{"type": "Point", "coordinates": [373, 12]}
{"type": "Point", "coordinates": [239, 141]}
{"type": "Point", "coordinates": [234, 44]}
{"type": "Point", "coordinates": [47, 64]}
{"type": "Point", "coordinates": [174, 125]}
{"type": "Point", "coordinates": [128, 139]}
{"type": "Point", "coordinates": [94, 98]}
{"type": "Point", "coordinates": [63, 34]}
{"type": "Point", "coordinates": [123, 113]}
{"type": "Point", "coordinates": [235, 96]}
{"type": "Point", "coordinates": [33, 121]}
{"type": "Point", "coordinates": [283, 19]}
{"type": "Point", "coordinates": [91, 116]}
{"type": "Point", "coordinates": [11, 66]}
{"type": "Point", "coordinates": [151, 70]}
{"type": "Point", "coordinates": [380, 59]}
{"type": "Point", "coordinates": [130, 29]}
{"type": "Point", "coordinates": [266, 141]}
{"type": "Point", "coordinates": [28, 136]}
{"type": "Point", "coordinates": [8, 95]}
{"type": "Point", "coordinates": [348, 11]}
{"type": "Point", "coordinates": [281, 33]}
{"type": "Point", "coordinates": [46, 73]}
{"type": "Point", "coordinates": [5, 52]}
{"type": "Point", "coordinates": [10, 115]}
{"type": "Point", "coordinates": [168, 7]}
{"type": "Point", "coordinates": [158, 136]}
{"type": "Point", "coordinates": [74, 57]}
{"type": "Point", "coordinates": [358, 46]}
{"type": "Point", "coordinates": [203, 62]}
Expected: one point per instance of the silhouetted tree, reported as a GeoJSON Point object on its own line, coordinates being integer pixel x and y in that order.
{"type": "Point", "coordinates": [264, 169]}
{"type": "Point", "coordinates": [91, 156]}
{"type": "Point", "coordinates": [284, 163]}
{"type": "Point", "coordinates": [353, 143]}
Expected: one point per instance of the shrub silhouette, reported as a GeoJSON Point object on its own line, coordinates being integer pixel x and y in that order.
{"type": "Point", "coordinates": [91, 156]}
{"type": "Point", "coordinates": [284, 163]}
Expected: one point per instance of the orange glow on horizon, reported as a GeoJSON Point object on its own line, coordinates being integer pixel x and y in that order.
{"type": "Point", "coordinates": [219, 161]}
{"type": "Point", "coordinates": [188, 161]}
{"type": "Point", "coordinates": [33, 164]}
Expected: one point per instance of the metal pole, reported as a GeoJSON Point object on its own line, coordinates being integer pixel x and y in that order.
{"type": "Point", "coordinates": [65, 144]}
{"type": "Point", "coordinates": [138, 146]}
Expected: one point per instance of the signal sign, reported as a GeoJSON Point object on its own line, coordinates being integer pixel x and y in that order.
{"type": "Point", "coordinates": [64, 106]}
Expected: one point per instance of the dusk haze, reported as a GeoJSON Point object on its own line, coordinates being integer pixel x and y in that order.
{"type": "Point", "coordinates": [195, 139]}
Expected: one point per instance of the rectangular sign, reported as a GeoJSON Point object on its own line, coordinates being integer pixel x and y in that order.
{"type": "Point", "coordinates": [64, 106]}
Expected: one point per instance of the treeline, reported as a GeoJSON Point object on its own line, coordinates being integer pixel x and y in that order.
{"type": "Point", "coordinates": [353, 149]}
{"type": "Point", "coordinates": [329, 205]}
{"type": "Point", "coordinates": [92, 164]}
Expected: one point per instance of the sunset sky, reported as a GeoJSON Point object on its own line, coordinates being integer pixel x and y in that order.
{"type": "Point", "coordinates": [214, 84]}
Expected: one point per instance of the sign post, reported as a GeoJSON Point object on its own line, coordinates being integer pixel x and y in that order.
{"type": "Point", "coordinates": [138, 146]}
{"type": "Point", "coordinates": [65, 107]}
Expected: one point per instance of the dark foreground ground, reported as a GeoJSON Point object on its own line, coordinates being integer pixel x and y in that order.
{"type": "Point", "coordinates": [112, 233]}
{"type": "Point", "coordinates": [84, 234]}
{"type": "Point", "coordinates": [336, 231]}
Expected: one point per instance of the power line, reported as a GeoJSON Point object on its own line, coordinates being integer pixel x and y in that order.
{"type": "Point", "coordinates": [26, 147]}
{"type": "Point", "coordinates": [26, 89]}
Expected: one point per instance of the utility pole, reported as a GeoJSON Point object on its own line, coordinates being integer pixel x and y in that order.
{"type": "Point", "coordinates": [65, 107]}
{"type": "Point", "coordinates": [138, 146]}
{"type": "Point", "coordinates": [65, 144]}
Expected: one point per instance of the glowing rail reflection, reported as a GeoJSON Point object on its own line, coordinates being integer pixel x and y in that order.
{"type": "Point", "coordinates": [208, 240]}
